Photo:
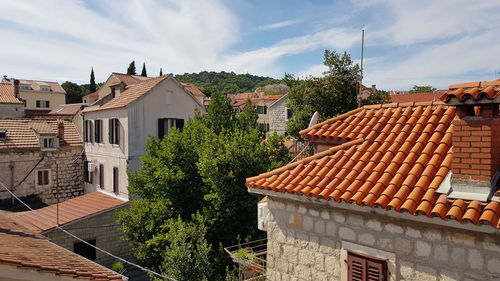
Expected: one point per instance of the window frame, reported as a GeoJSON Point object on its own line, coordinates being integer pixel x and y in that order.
{"type": "Point", "coordinates": [87, 175]}
{"type": "Point", "coordinates": [114, 131]}
{"type": "Point", "coordinates": [37, 177]}
{"type": "Point", "coordinates": [171, 123]}
{"type": "Point", "coordinates": [388, 257]}
{"type": "Point", "coordinates": [39, 103]}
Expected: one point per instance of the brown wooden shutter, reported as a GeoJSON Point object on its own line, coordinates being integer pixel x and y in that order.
{"type": "Point", "coordinates": [117, 131]}
{"type": "Point", "coordinates": [161, 131]}
{"type": "Point", "coordinates": [363, 268]}
{"type": "Point", "coordinates": [110, 131]}
{"type": "Point", "coordinates": [179, 124]}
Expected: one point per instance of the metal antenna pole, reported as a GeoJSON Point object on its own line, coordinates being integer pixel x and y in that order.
{"type": "Point", "coordinates": [362, 54]}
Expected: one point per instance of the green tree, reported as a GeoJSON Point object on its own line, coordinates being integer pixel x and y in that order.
{"type": "Point", "coordinates": [161, 71]}
{"type": "Point", "coordinates": [143, 72]}
{"type": "Point", "coordinates": [131, 68]}
{"type": "Point", "coordinates": [422, 89]}
{"type": "Point", "coordinates": [380, 96]}
{"type": "Point", "coordinates": [74, 92]}
{"type": "Point", "coordinates": [93, 87]}
{"type": "Point", "coordinates": [333, 94]}
{"type": "Point", "coordinates": [189, 192]}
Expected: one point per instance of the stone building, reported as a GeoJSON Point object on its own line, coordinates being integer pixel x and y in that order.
{"type": "Point", "coordinates": [394, 192]}
{"type": "Point", "coordinates": [41, 158]}
{"type": "Point", "coordinates": [91, 217]}
{"type": "Point", "coordinates": [28, 256]}
{"type": "Point", "coordinates": [11, 106]}
{"type": "Point", "coordinates": [279, 114]}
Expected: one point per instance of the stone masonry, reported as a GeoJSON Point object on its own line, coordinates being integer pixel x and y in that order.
{"type": "Point", "coordinates": [305, 243]}
{"type": "Point", "coordinates": [104, 229]}
{"type": "Point", "coordinates": [66, 173]}
{"type": "Point", "coordinates": [278, 117]}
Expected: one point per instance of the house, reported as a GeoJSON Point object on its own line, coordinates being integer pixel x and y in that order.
{"type": "Point", "coordinates": [29, 256]}
{"type": "Point", "coordinates": [395, 192]}
{"type": "Point", "coordinates": [279, 114]}
{"type": "Point", "coordinates": [91, 217]}
{"type": "Point", "coordinates": [40, 158]}
{"type": "Point", "coordinates": [11, 106]}
{"type": "Point", "coordinates": [195, 91]}
{"type": "Point", "coordinates": [39, 96]}
{"type": "Point", "coordinates": [115, 132]}
{"type": "Point", "coordinates": [72, 112]}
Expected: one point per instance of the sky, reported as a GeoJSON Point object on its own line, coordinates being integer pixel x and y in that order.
{"type": "Point", "coordinates": [407, 42]}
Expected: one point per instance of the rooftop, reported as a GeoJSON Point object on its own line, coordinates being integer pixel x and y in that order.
{"type": "Point", "coordinates": [36, 85]}
{"type": "Point", "coordinates": [26, 250]}
{"type": "Point", "coordinates": [68, 109]}
{"type": "Point", "coordinates": [7, 94]}
{"type": "Point", "coordinates": [416, 97]}
{"type": "Point", "coordinates": [392, 156]}
{"type": "Point", "coordinates": [71, 210]}
{"type": "Point", "coordinates": [23, 133]}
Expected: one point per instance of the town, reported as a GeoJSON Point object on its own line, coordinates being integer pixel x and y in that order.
{"type": "Point", "coordinates": [130, 171]}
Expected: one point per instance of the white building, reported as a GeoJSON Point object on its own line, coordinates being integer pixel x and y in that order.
{"type": "Point", "coordinates": [115, 132]}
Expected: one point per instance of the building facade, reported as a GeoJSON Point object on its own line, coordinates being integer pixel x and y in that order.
{"type": "Point", "coordinates": [11, 106]}
{"type": "Point", "coordinates": [41, 158]}
{"type": "Point", "coordinates": [279, 114]}
{"type": "Point", "coordinates": [116, 132]}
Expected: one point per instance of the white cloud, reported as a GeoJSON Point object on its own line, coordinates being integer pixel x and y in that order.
{"type": "Point", "coordinates": [278, 25]}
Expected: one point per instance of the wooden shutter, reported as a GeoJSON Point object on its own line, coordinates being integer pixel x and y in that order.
{"type": "Point", "coordinates": [117, 131]}
{"type": "Point", "coordinates": [110, 131]}
{"type": "Point", "coordinates": [85, 138]}
{"type": "Point", "coordinates": [45, 177]}
{"type": "Point", "coordinates": [101, 175]}
{"type": "Point", "coordinates": [48, 103]}
{"type": "Point", "coordinates": [179, 124]}
{"type": "Point", "coordinates": [161, 130]}
{"type": "Point", "coordinates": [363, 268]}
{"type": "Point", "coordinates": [115, 180]}
{"type": "Point", "coordinates": [86, 171]}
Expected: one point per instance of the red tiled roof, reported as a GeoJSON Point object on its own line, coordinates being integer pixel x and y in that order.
{"type": "Point", "coordinates": [91, 95]}
{"type": "Point", "coordinates": [7, 94]}
{"type": "Point", "coordinates": [192, 89]}
{"type": "Point", "coordinates": [35, 85]}
{"type": "Point", "coordinates": [130, 79]}
{"type": "Point", "coordinates": [22, 133]}
{"type": "Point", "coordinates": [44, 219]}
{"type": "Point", "coordinates": [476, 93]}
{"type": "Point", "coordinates": [392, 156]}
{"type": "Point", "coordinates": [416, 97]}
{"type": "Point", "coordinates": [25, 250]}
{"type": "Point", "coordinates": [68, 109]}
{"type": "Point", "coordinates": [132, 93]}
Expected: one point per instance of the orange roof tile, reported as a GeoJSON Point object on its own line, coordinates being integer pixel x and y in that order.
{"type": "Point", "coordinates": [473, 90]}
{"type": "Point", "coordinates": [192, 89]}
{"type": "Point", "coordinates": [28, 251]}
{"type": "Point", "coordinates": [22, 133]}
{"type": "Point", "coordinates": [416, 97]}
{"type": "Point", "coordinates": [130, 79]}
{"type": "Point", "coordinates": [393, 157]}
{"type": "Point", "coordinates": [68, 109]}
{"type": "Point", "coordinates": [91, 95]}
{"type": "Point", "coordinates": [45, 219]}
{"type": "Point", "coordinates": [132, 93]}
{"type": "Point", "coordinates": [35, 85]}
{"type": "Point", "coordinates": [7, 94]}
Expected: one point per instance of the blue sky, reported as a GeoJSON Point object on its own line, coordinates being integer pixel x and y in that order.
{"type": "Point", "coordinates": [407, 42]}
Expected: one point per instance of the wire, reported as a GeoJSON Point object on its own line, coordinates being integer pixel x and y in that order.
{"type": "Point", "coordinates": [81, 240]}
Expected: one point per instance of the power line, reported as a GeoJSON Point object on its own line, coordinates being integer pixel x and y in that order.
{"type": "Point", "coordinates": [87, 243]}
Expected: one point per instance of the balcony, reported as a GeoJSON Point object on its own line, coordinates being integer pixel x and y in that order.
{"type": "Point", "coordinates": [251, 259]}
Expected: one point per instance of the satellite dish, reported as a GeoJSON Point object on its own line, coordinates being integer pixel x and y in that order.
{"type": "Point", "coordinates": [314, 119]}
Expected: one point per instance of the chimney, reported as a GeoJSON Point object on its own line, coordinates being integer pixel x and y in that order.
{"type": "Point", "coordinates": [60, 130]}
{"type": "Point", "coordinates": [16, 88]}
{"type": "Point", "coordinates": [476, 141]}
{"type": "Point", "coordinates": [374, 88]}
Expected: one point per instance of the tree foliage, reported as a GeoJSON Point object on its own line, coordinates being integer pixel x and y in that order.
{"type": "Point", "coordinates": [93, 86]}
{"type": "Point", "coordinates": [191, 198]}
{"type": "Point", "coordinates": [422, 89]}
{"type": "Point", "coordinates": [144, 72]}
{"type": "Point", "coordinates": [74, 92]}
{"type": "Point", "coordinates": [225, 82]}
{"type": "Point", "coordinates": [161, 71]}
{"type": "Point", "coordinates": [380, 96]}
{"type": "Point", "coordinates": [131, 69]}
{"type": "Point", "coordinates": [334, 93]}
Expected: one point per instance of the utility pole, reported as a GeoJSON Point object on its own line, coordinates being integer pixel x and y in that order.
{"type": "Point", "coordinates": [362, 54]}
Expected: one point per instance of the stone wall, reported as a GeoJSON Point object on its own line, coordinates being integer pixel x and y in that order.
{"type": "Point", "coordinates": [11, 110]}
{"type": "Point", "coordinates": [278, 117]}
{"type": "Point", "coordinates": [66, 173]}
{"type": "Point", "coordinates": [305, 243]}
{"type": "Point", "coordinates": [104, 229]}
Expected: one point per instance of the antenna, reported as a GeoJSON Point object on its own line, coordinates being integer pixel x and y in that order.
{"type": "Point", "coordinates": [362, 53]}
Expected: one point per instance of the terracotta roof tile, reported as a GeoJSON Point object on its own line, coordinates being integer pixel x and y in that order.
{"type": "Point", "coordinates": [130, 79]}
{"type": "Point", "coordinates": [392, 157]}
{"type": "Point", "coordinates": [195, 91]}
{"type": "Point", "coordinates": [473, 90]}
{"type": "Point", "coordinates": [7, 94]}
{"type": "Point", "coordinates": [44, 219]}
{"type": "Point", "coordinates": [35, 85]}
{"type": "Point", "coordinates": [26, 250]}
{"type": "Point", "coordinates": [23, 133]}
{"type": "Point", "coordinates": [132, 93]}
{"type": "Point", "coordinates": [68, 109]}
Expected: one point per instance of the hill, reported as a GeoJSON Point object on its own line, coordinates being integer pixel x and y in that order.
{"type": "Point", "coordinates": [225, 82]}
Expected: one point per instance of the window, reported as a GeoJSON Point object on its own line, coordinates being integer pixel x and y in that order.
{"type": "Point", "coordinates": [42, 103]}
{"type": "Point", "coordinates": [289, 113]}
{"type": "Point", "coordinates": [48, 142]}
{"type": "Point", "coordinates": [115, 180]}
{"type": "Point", "coordinates": [364, 268]}
{"type": "Point", "coordinates": [85, 250]}
{"type": "Point", "coordinates": [261, 109]}
{"type": "Point", "coordinates": [114, 131]}
{"type": "Point", "coordinates": [101, 176]}
{"type": "Point", "coordinates": [165, 124]}
{"type": "Point", "coordinates": [42, 178]}
{"type": "Point", "coordinates": [87, 171]}
{"type": "Point", "coordinates": [264, 127]}
{"type": "Point", "coordinates": [45, 89]}
{"type": "Point", "coordinates": [170, 97]}
{"type": "Point", "coordinates": [87, 131]}
{"type": "Point", "coordinates": [3, 135]}
{"type": "Point", "coordinates": [24, 87]}
{"type": "Point", "coordinates": [98, 131]}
